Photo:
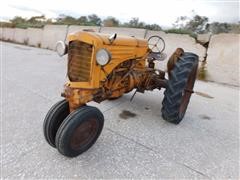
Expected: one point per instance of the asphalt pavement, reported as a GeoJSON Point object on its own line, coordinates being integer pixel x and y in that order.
{"type": "Point", "coordinates": [140, 145]}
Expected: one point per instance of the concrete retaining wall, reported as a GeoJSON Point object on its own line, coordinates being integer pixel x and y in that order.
{"type": "Point", "coordinates": [203, 38]}
{"type": "Point", "coordinates": [1, 33]}
{"type": "Point", "coordinates": [139, 33]}
{"type": "Point", "coordinates": [20, 36]}
{"type": "Point", "coordinates": [223, 59]}
{"type": "Point", "coordinates": [52, 34]}
{"type": "Point", "coordinates": [8, 34]}
{"type": "Point", "coordinates": [34, 36]}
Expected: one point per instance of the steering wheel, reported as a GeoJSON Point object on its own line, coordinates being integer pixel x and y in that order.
{"type": "Point", "coordinates": [156, 44]}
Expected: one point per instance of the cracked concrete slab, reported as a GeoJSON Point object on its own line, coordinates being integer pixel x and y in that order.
{"type": "Point", "coordinates": [205, 145]}
{"type": "Point", "coordinates": [223, 57]}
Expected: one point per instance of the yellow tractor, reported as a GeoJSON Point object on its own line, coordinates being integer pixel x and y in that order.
{"type": "Point", "coordinates": [102, 67]}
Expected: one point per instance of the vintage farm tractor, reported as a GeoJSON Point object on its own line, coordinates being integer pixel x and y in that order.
{"type": "Point", "coordinates": [102, 67]}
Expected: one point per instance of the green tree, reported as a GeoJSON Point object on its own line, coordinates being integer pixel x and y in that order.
{"type": "Point", "coordinates": [18, 20]}
{"type": "Point", "coordinates": [235, 28]}
{"type": "Point", "coordinates": [134, 23]}
{"type": "Point", "coordinates": [94, 20]}
{"type": "Point", "coordinates": [216, 28]}
{"type": "Point", "coordinates": [197, 24]}
{"type": "Point", "coordinates": [68, 20]}
{"type": "Point", "coordinates": [83, 20]}
{"type": "Point", "coordinates": [110, 22]}
{"type": "Point", "coordinates": [36, 19]}
{"type": "Point", "coordinates": [154, 27]}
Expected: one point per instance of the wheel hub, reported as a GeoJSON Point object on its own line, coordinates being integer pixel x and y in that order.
{"type": "Point", "coordinates": [83, 134]}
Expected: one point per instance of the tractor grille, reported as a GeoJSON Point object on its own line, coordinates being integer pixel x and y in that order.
{"type": "Point", "coordinates": [79, 61]}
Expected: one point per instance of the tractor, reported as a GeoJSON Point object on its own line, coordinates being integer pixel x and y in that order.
{"type": "Point", "coordinates": [104, 67]}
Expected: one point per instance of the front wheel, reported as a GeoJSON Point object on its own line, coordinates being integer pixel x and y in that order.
{"type": "Point", "coordinates": [180, 87]}
{"type": "Point", "coordinates": [53, 120]}
{"type": "Point", "coordinates": [79, 131]}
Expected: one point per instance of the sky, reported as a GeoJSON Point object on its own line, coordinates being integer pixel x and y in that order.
{"type": "Point", "coordinates": [162, 12]}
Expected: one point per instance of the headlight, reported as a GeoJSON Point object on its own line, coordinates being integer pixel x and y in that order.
{"type": "Point", "coordinates": [61, 48]}
{"type": "Point", "coordinates": [103, 57]}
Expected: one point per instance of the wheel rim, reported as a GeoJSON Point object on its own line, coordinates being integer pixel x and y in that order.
{"type": "Point", "coordinates": [84, 134]}
{"type": "Point", "coordinates": [188, 91]}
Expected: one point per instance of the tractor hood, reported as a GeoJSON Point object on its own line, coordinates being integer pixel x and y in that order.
{"type": "Point", "coordinates": [82, 50]}
{"type": "Point", "coordinates": [103, 39]}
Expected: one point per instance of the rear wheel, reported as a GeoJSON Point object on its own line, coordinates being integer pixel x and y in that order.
{"type": "Point", "coordinates": [79, 131]}
{"type": "Point", "coordinates": [180, 87]}
{"type": "Point", "coordinates": [53, 120]}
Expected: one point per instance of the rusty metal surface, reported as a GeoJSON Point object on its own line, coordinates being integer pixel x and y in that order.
{"type": "Point", "coordinates": [129, 75]}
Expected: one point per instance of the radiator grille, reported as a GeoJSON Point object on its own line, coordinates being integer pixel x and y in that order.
{"type": "Point", "coordinates": [79, 61]}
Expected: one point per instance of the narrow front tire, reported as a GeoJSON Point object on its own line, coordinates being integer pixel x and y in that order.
{"type": "Point", "coordinates": [55, 116]}
{"type": "Point", "coordinates": [79, 131]}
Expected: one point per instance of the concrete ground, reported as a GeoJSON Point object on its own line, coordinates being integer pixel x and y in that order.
{"type": "Point", "coordinates": [204, 145]}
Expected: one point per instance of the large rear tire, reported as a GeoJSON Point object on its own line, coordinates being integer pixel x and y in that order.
{"type": "Point", "coordinates": [179, 88]}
